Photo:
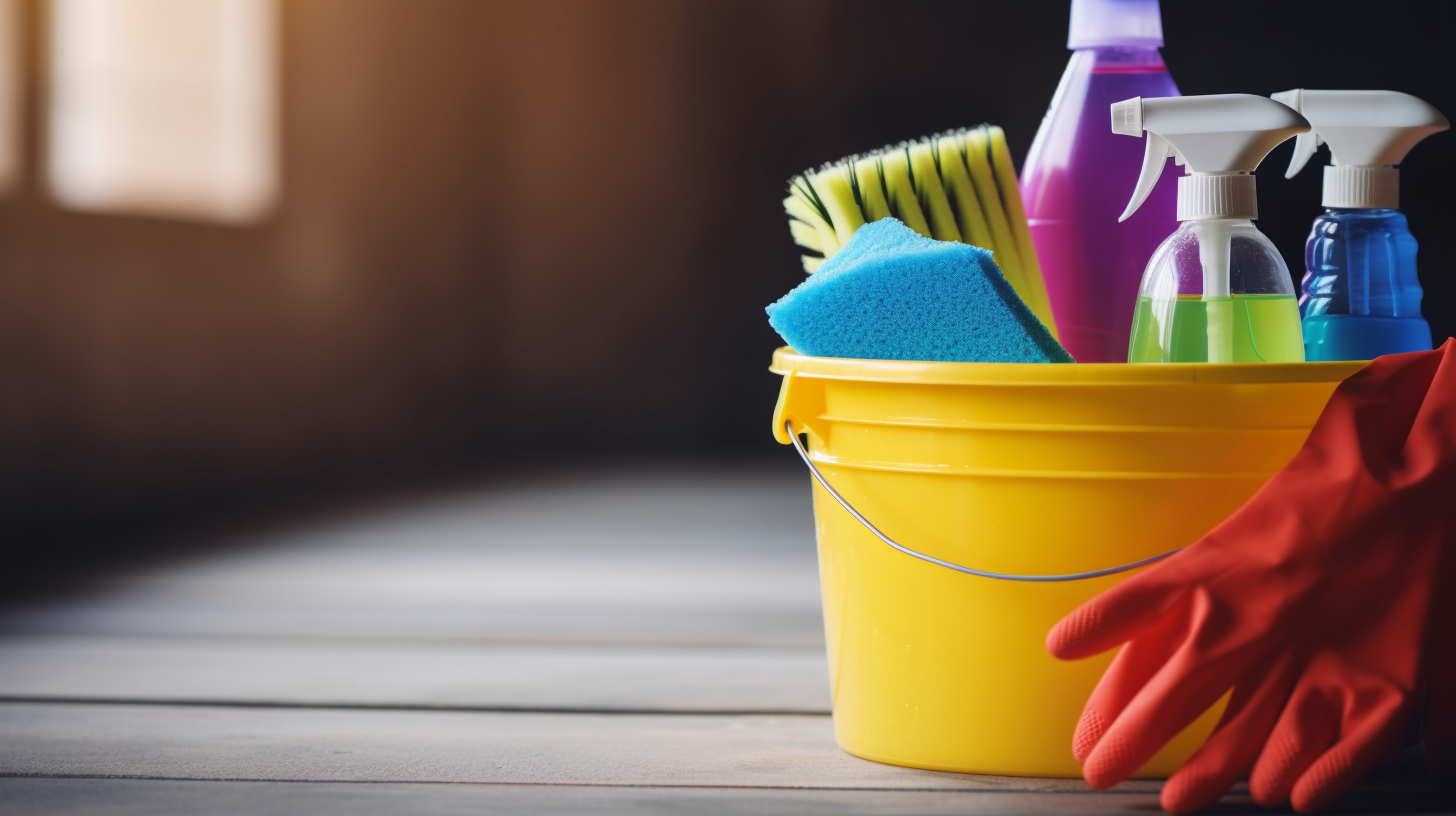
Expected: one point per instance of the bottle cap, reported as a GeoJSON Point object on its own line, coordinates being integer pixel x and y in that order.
{"type": "Point", "coordinates": [1369, 132]}
{"type": "Point", "coordinates": [1131, 23]}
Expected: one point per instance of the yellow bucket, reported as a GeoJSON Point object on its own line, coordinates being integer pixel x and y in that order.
{"type": "Point", "coordinates": [1021, 469]}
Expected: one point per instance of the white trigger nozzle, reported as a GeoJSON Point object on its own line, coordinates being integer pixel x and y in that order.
{"type": "Point", "coordinates": [1304, 146]}
{"type": "Point", "coordinates": [1305, 143]}
{"type": "Point", "coordinates": [1155, 158]}
{"type": "Point", "coordinates": [1215, 136]}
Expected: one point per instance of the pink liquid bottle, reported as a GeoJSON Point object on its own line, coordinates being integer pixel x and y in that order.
{"type": "Point", "coordinates": [1076, 178]}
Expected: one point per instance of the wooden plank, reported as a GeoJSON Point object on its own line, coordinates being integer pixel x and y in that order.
{"type": "Point", "coordinates": [395, 746]}
{"type": "Point", "coordinates": [271, 619]}
{"type": "Point", "coordinates": [525, 762]}
{"type": "Point", "coordinates": [24, 796]}
{"type": "Point", "coordinates": [633, 678]}
{"type": "Point", "coordinates": [670, 556]}
{"type": "Point", "coordinates": [131, 797]}
{"type": "Point", "coordinates": [44, 797]}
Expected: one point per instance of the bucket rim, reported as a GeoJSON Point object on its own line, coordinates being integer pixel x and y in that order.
{"type": "Point", "coordinates": [787, 361]}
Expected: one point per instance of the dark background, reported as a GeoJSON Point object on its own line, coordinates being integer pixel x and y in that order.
{"type": "Point", "coordinates": [543, 230]}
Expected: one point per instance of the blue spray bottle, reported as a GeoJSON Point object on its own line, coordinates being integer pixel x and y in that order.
{"type": "Point", "coordinates": [1360, 297]}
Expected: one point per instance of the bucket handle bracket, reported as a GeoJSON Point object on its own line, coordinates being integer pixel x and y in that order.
{"type": "Point", "coordinates": [788, 427]}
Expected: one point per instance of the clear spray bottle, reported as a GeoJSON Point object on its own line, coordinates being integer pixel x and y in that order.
{"type": "Point", "coordinates": [1216, 290]}
{"type": "Point", "coordinates": [1361, 297]}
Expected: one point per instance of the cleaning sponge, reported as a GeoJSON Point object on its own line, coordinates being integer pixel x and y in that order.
{"type": "Point", "coordinates": [954, 186]}
{"type": "Point", "coordinates": [890, 294]}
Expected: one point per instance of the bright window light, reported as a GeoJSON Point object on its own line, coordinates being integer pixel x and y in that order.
{"type": "Point", "coordinates": [164, 107]}
{"type": "Point", "coordinates": [9, 94]}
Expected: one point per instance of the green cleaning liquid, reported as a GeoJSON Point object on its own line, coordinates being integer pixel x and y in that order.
{"type": "Point", "coordinates": [1247, 329]}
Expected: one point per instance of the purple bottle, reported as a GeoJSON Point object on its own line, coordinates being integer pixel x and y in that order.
{"type": "Point", "coordinates": [1079, 175]}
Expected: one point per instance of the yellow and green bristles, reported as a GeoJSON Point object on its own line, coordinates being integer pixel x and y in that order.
{"type": "Point", "coordinates": [954, 186]}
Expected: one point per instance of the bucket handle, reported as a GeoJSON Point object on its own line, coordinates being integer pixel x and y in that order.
{"type": "Point", "coordinates": [1000, 576]}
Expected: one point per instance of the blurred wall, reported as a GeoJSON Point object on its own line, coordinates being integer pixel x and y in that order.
{"type": "Point", "coordinates": [551, 226]}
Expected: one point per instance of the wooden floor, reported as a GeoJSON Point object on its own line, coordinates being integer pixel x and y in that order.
{"type": "Point", "coordinates": [635, 640]}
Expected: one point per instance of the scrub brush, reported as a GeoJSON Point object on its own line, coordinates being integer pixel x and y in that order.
{"type": "Point", "coordinates": [954, 186]}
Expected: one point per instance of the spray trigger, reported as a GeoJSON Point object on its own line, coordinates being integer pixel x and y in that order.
{"type": "Point", "coordinates": [1155, 157]}
{"type": "Point", "coordinates": [1304, 146]}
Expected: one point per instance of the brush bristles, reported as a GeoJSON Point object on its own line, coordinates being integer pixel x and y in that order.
{"type": "Point", "coordinates": [956, 185]}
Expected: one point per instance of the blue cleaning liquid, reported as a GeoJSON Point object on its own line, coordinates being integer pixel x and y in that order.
{"type": "Point", "coordinates": [1360, 296]}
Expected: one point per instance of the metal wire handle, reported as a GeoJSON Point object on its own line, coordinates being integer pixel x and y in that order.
{"type": "Point", "coordinates": [1000, 576]}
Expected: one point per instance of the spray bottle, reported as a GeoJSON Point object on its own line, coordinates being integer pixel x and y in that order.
{"type": "Point", "coordinates": [1360, 297]}
{"type": "Point", "coordinates": [1070, 179]}
{"type": "Point", "coordinates": [1216, 290]}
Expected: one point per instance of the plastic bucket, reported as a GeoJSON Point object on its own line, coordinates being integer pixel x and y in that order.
{"type": "Point", "coordinates": [1027, 469]}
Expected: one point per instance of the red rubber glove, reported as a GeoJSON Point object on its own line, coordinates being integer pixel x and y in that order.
{"type": "Point", "coordinates": [1311, 602]}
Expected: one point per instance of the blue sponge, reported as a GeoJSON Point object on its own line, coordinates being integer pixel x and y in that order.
{"type": "Point", "coordinates": [890, 294]}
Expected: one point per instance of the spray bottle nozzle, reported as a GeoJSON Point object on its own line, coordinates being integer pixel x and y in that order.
{"type": "Point", "coordinates": [1223, 134]}
{"type": "Point", "coordinates": [1127, 117]}
{"type": "Point", "coordinates": [1369, 132]}
{"type": "Point", "coordinates": [1127, 120]}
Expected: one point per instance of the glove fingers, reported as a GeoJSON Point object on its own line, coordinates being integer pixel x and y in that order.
{"type": "Point", "coordinates": [1137, 663]}
{"type": "Point", "coordinates": [1305, 729]}
{"type": "Point", "coordinates": [1358, 749]}
{"type": "Point", "coordinates": [1117, 615]}
{"type": "Point", "coordinates": [1182, 690]}
{"type": "Point", "coordinates": [1252, 711]}
{"type": "Point", "coordinates": [1150, 721]}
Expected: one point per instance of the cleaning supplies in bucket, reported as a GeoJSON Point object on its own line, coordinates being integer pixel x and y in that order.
{"type": "Point", "coordinates": [1361, 297]}
{"type": "Point", "coordinates": [1026, 470]}
{"type": "Point", "coordinates": [890, 294]}
{"type": "Point", "coordinates": [1216, 290]}
{"type": "Point", "coordinates": [1074, 172]}
{"type": "Point", "coordinates": [955, 186]}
